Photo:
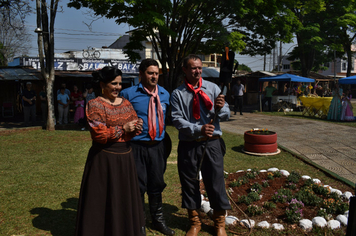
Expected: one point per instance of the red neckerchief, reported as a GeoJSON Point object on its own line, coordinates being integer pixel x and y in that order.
{"type": "Point", "coordinates": [196, 103]}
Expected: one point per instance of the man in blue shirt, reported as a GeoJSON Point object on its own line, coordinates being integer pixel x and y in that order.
{"type": "Point", "coordinates": [194, 105]}
{"type": "Point", "coordinates": [150, 102]}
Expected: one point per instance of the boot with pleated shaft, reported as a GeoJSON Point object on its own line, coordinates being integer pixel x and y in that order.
{"type": "Point", "coordinates": [156, 209]}
{"type": "Point", "coordinates": [195, 223]}
{"type": "Point", "coordinates": [219, 222]}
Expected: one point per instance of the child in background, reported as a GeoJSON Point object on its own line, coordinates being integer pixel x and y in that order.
{"type": "Point", "coordinates": [347, 114]}
{"type": "Point", "coordinates": [79, 111]}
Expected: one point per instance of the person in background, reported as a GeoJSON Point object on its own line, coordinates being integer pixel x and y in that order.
{"type": "Point", "coordinates": [194, 106]}
{"type": "Point", "coordinates": [29, 104]}
{"type": "Point", "coordinates": [44, 105]}
{"type": "Point", "coordinates": [335, 107]}
{"type": "Point", "coordinates": [74, 96]}
{"type": "Point", "coordinates": [89, 93]}
{"type": "Point", "coordinates": [79, 110]}
{"type": "Point", "coordinates": [109, 200]}
{"type": "Point", "coordinates": [269, 91]}
{"type": "Point", "coordinates": [238, 92]}
{"type": "Point", "coordinates": [63, 106]}
{"type": "Point", "coordinates": [151, 102]}
{"type": "Point", "coordinates": [347, 113]}
{"type": "Point", "coordinates": [66, 91]}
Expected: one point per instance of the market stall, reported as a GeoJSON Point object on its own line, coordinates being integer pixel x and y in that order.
{"type": "Point", "coordinates": [284, 102]}
{"type": "Point", "coordinates": [316, 106]}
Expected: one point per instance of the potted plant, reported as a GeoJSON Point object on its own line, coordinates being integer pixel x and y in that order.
{"type": "Point", "coordinates": [260, 141]}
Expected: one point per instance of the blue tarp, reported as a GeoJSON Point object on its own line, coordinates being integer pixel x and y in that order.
{"type": "Point", "coordinates": [287, 78]}
{"type": "Point", "coordinates": [348, 80]}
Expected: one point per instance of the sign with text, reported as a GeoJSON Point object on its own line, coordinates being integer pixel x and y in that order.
{"type": "Point", "coordinates": [78, 64]}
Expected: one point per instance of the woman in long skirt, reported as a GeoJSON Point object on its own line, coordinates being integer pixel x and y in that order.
{"type": "Point", "coordinates": [110, 201]}
{"type": "Point", "coordinates": [335, 108]}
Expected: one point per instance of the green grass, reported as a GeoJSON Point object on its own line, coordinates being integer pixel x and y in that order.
{"type": "Point", "coordinates": [41, 171]}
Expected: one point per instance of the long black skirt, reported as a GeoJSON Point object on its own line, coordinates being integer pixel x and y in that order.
{"type": "Point", "coordinates": [110, 201]}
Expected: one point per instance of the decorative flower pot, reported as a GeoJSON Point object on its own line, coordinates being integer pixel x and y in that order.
{"type": "Point", "coordinates": [260, 141]}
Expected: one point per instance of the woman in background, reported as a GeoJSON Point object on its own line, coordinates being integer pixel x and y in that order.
{"type": "Point", "coordinates": [110, 201]}
{"type": "Point", "coordinates": [335, 108]}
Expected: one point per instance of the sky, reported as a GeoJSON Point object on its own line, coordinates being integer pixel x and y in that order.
{"type": "Point", "coordinates": [71, 34]}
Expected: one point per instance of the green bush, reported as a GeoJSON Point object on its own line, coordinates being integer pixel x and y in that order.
{"type": "Point", "coordinates": [256, 187]}
{"type": "Point", "coordinates": [294, 177]}
{"type": "Point", "coordinates": [319, 189]}
{"type": "Point", "coordinates": [282, 195]}
{"type": "Point", "coordinates": [269, 205]}
{"type": "Point", "coordinates": [308, 197]}
{"type": "Point", "coordinates": [254, 210]}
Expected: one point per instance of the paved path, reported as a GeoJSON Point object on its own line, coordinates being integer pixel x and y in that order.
{"type": "Point", "coordinates": [329, 145]}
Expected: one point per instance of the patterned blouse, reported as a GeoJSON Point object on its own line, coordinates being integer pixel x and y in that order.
{"type": "Point", "coordinates": [106, 121]}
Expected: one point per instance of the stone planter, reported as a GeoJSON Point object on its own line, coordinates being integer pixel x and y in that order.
{"type": "Point", "coordinates": [260, 142]}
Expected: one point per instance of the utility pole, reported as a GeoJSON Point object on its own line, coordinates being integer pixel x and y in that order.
{"type": "Point", "coordinates": [264, 62]}
{"type": "Point", "coordinates": [280, 57]}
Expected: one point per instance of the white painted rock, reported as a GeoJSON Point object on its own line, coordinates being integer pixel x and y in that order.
{"type": "Point", "coordinates": [306, 224]}
{"type": "Point", "coordinates": [246, 223]}
{"type": "Point", "coordinates": [202, 199]}
{"type": "Point", "coordinates": [248, 170]}
{"type": "Point", "coordinates": [327, 186]}
{"type": "Point", "coordinates": [319, 221]}
{"type": "Point", "coordinates": [263, 171]}
{"type": "Point", "coordinates": [342, 219]}
{"type": "Point", "coordinates": [346, 214]}
{"type": "Point", "coordinates": [334, 190]}
{"type": "Point", "coordinates": [273, 169]}
{"type": "Point", "coordinates": [316, 181]}
{"type": "Point", "coordinates": [346, 195]}
{"type": "Point", "coordinates": [240, 171]}
{"type": "Point", "coordinates": [305, 177]}
{"type": "Point", "coordinates": [264, 224]}
{"type": "Point", "coordinates": [205, 207]}
{"type": "Point", "coordinates": [333, 224]}
{"type": "Point", "coordinates": [226, 173]}
{"type": "Point", "coordinates": [231, 220]}
{"type": "Point", "coordinates": [285, 173]}
{"type": "Point", "coordinates": [277, 226]}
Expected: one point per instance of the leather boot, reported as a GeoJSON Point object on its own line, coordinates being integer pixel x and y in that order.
{"type": "Point", "coordinates": [219, 222]}
{"type": "Point", "coordinates": [195, 223]}
{"type": "Point", "coordinates": [156, 210]}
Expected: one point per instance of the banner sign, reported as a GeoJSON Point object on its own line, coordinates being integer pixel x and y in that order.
{"type": "Point", "coordinates": [78, 64]}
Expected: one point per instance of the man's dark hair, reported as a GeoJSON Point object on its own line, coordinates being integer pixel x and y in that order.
{"type": "Point", "coordinates": [189, 57]}
{"type": "Point", "coordinates": [145, 63]}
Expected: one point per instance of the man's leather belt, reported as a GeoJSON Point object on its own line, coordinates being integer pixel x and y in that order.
{"type": "Point", "coordinates": [149, 142]}
{"type": "Point", "coordinates": [206, 138]}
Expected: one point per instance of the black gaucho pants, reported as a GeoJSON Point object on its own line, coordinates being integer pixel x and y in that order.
{"type": "Point", "coordinates": [189, 155]}
{"type": "Point", "coordinates": [151, 164]}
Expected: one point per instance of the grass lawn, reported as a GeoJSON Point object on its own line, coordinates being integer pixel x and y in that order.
{"type": "Point", "coordinates": [40, 176]}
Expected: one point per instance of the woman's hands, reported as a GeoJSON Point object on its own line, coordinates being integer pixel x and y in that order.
{"type": "Point", "coordinates": [135, 125]}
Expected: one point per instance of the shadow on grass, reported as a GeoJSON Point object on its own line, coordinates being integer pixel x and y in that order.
{"type": "Point", "coordinates": [238, 148]}
{"type": "Point", "coordinates": [59, 222]}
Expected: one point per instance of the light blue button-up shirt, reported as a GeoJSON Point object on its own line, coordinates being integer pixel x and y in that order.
{"type": "Point", "coordinates": [182, 111]}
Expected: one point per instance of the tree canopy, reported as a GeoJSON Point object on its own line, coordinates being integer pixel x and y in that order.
{"type": "Point", "coordinates": [175, 28]}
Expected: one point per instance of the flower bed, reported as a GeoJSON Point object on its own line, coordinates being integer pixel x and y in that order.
{"type": "Point", "coordinates": [285, 198]}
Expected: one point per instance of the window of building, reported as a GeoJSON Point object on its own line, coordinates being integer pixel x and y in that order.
{"type": "Point", "coordinates": [212, 57]}
{"type": "Point", "coordinates": [344, 66]}
{"type": "Point", "coordinates": [286, 66]}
